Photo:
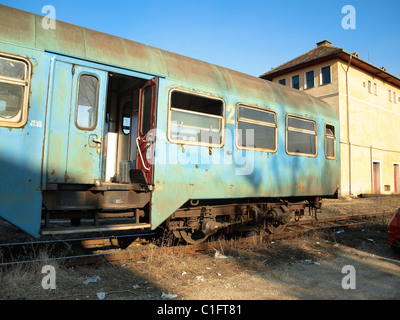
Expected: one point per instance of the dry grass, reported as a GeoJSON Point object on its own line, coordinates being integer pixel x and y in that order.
{"type": "Point", "coordinates": [191, 276]}
{"type": "Point", "coordinates": [24, 280]}
{"type": "Point", "coordinates": [349, 206]}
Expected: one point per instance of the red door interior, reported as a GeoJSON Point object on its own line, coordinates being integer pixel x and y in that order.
{"type": "Point", "coordinates": [146, 138]}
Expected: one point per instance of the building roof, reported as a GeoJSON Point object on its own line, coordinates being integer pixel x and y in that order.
{"type": "Point", "coordinates": [323, 49]}
{"type": "Point", "coordinates": [324, 52]}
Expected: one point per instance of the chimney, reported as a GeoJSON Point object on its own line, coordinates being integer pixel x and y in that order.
{"type": "Point", "coordinates": [324, 43]}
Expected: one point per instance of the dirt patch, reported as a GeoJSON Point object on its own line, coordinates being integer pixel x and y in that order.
{"type": "Point", "coordinates": [305, 268]}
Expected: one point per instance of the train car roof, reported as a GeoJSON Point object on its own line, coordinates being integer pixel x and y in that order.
{"type": "Point", "coordinates": [25, 29]}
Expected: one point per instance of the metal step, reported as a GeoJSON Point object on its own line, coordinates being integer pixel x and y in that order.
{"type": "Point", "coordinates": [117, 227]}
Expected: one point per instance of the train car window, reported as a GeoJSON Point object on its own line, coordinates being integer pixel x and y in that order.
{"type": "Point", "coordinates": [87, 100]}
{"type": "Point", "coordinates": [256, 129]}
{"type": "Point", "coordinates": [330, 142]}
{"type": "Point", "coordinates": [301, 136]}
{"type": "Point", "coordinates": [14, 91]}
{"type": "Point", "coordinates": [196, 119]}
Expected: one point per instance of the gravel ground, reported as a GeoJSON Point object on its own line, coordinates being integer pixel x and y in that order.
{"type": "Point", "coordinates": [344, 264]}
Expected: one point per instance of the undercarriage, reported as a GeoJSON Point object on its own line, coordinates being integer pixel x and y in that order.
{"type": "Point", "coordinates": [194, 223]}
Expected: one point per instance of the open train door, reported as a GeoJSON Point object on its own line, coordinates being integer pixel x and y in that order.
{"type": "Point", "coordinates": [146, 137]}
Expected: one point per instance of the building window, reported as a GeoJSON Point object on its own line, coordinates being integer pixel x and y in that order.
{"type": "Point", "coordinates": [390, 95]}
{"type": "Point", "coordinates": [256, 129]}
{"type": "Point", "coordinates": [14, 91]}
{"type": "Point", "coordinates": [330, 142]}
{"type": "Point", "coordinates": [296, 82]}
{"type": "Point", "coordinates": [282, 82]}
{"type": "Point", "coordinates": [87, 101]}
{"type": "Point", "coordinates": [301, 136]}
{"type": "Point", "coordinates": [394, 97]}
{"type": "Point", "coordinates": [195, 119]}
{"type": "Point", "coordinates": [309, 79]}
{"type": "Point", "coordinates": [325, 75]}
{"type": "Point", "coordinates": [372, 88]}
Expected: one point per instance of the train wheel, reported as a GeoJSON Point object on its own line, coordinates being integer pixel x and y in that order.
{"type": "Point", "coordinates": [275, 227]}
{"type": "Point", "coordinates": [193, 237]}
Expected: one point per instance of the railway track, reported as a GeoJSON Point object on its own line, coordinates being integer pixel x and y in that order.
{"type": "Point", "coordinates": [94, 250]}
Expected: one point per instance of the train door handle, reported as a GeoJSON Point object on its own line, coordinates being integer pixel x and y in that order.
{"type": "Point", "coordinates": [97, 140]}
{"type": "Point", "coordinates": [94, 140]}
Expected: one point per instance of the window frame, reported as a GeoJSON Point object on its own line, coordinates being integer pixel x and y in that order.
{"type": "Point", "coordinates": [334, 141]}
{"type": "Point", "coordinates": [315, 133]}
{"type": "Point", "coordinates": [292, 83]}
{"type": "Point", "coordinates": [257, 122]}
{"type": "Point", "coordinates": [91, 128]}
{"type": "Point", "coordinates": [282, 82]}
{"type": "Point", "coordinates": [322, 75]}
{"type": "Point", "coordinates": [25, 83]}
{"type": "Point", "coordinates": [306, 80]}
{"type": "Point", "coordinates": [189, 142]}
{"type": "Point", "coordinates": [143, 101]}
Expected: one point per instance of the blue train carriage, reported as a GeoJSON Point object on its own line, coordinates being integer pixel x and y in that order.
{"type": "Point", "coordinates": [110, 134]}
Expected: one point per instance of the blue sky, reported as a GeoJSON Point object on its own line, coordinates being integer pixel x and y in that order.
{"type": "Point", "coordinates": [251, 36]}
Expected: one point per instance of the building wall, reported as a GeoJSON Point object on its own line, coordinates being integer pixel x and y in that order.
{"type": "Point", "coordinates": [373, 136]}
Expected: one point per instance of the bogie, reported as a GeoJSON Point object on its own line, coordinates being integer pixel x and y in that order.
{"type": "Point", "coordinates": [194, 225]}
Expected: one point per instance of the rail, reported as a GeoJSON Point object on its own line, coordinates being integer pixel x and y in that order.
{"type": "Point", "coordinates": [104, 249]}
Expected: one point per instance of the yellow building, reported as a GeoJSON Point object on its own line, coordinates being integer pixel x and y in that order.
{"type": "Point", "coordinates": [367, 100]}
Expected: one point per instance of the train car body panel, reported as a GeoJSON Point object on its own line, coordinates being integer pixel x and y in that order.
{"type": "Point", "coordinates": [21, 149]}
{"type": "Point", "coordinates": [70, 140]}
{"type": "Point", "coordinates": [186, 172]}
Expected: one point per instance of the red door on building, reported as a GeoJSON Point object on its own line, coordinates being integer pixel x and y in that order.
{"type": "Point", "coordinates": [376, 171]}
{"type": "Point", "coordinates": [396, 173]}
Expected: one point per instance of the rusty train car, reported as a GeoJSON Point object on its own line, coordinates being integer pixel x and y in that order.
{"type": "Point", "coordinates": [110, 134]}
